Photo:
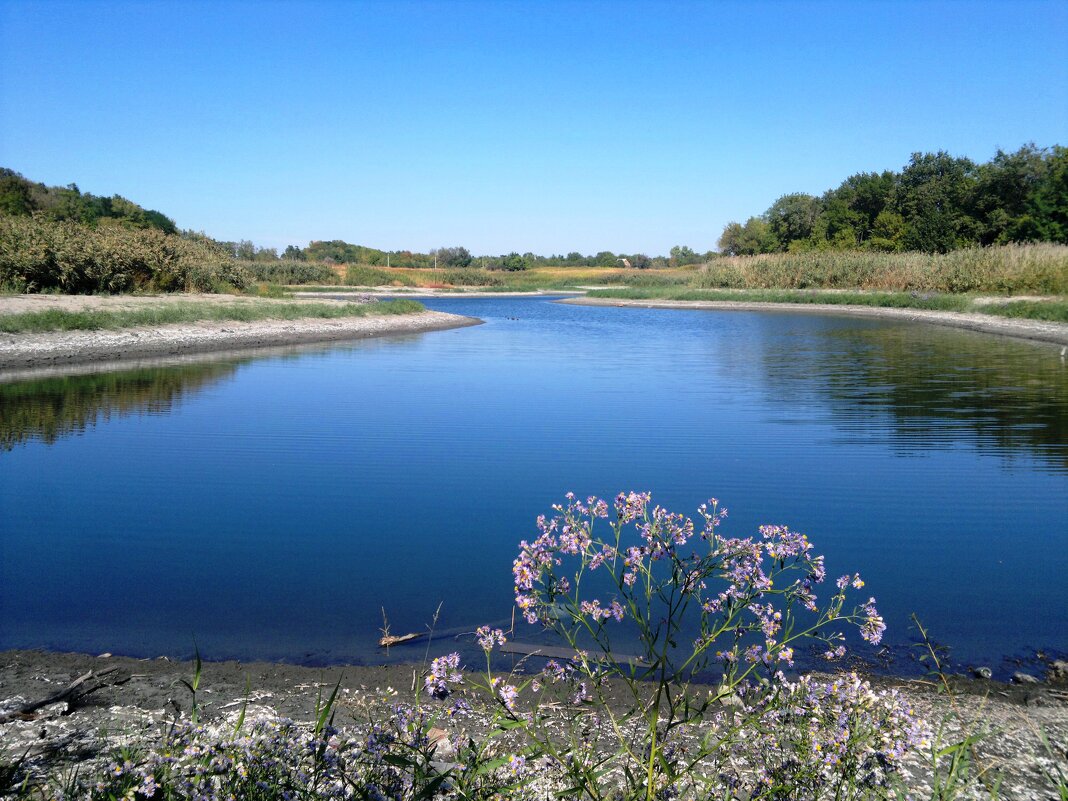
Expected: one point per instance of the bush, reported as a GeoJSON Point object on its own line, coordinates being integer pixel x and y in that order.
{"type": "Point", "coordinates": [38, 255]}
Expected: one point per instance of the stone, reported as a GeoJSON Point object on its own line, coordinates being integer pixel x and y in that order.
{"type": "Point", "coordinates": [1059, 669]}
{"type": "Point", "coordinates": [1019, 677]}
{"type": "Point", "coordinates": [982, 672]}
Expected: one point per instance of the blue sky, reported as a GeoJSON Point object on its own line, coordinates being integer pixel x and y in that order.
{"type": "Point", "coordinates": [502, 126]}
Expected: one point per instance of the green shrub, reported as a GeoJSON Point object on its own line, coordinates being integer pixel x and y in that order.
{"type": "Point", "coordinates": [38, 255]}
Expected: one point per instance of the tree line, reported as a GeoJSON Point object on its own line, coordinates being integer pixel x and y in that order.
{"type": "Point", "coordinates": [337, 251]}
{"type": "Point", "coordinates": [936, 203]}
{"type": "Point", "coordinates": [22, 197]}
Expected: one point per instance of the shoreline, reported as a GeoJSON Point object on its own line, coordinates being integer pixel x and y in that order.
{"type": "Point", "coordinates": [142, 697]}
{"type": "Point", "coordinates": [1034, 330]}
{"type": "Point", "coordinates": [20, 353]}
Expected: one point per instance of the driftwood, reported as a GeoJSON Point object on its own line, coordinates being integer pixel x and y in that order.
{"type": "Point", "coordinates": [74, 692]}
{"type": "Point", "coordinates": [389, 640]}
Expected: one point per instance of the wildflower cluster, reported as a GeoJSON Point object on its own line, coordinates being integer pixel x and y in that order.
{"type": "Point", "coordinates": [444, 671]}
{"type": "Point", "coordinates": [823, 738]}
{"type": "Point", "coordinates": [670, 576]}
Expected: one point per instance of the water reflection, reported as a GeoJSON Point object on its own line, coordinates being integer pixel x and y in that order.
{"type": "Point", "coordinates": [48, 409]}
{"type": "Point", "coordinates": [932, 389]}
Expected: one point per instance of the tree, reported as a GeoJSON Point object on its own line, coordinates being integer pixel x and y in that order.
{"type": "Point", "coordinates": [792, 217]}
{"type": "Point", "coordinates": [456, 257]}
{"type": "Point", "coordinates": [1048, 205]}
{"type": "Point", "coordinates": [754, 237]}
{"type": "Point", "coordinates": [932, 194]}
{"type": "Point", "coordinates": [513, 262]}
{"type": "Point", "coordinates": [682, 255]}
{"type": "Point", "coordinates": [15, 193]}
{"type": "Point", "coordinates": [293, 252]}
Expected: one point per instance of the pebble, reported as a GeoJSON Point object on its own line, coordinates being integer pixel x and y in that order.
{"type": "Point", "coordinates": [1019, 677]}
{"type": "Point", "coordinates": [983, 672]}
{"type": "Point", "coordinates": [1059, 669]}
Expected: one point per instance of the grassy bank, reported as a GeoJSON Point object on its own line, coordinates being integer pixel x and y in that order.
{"type": "Point", "coordinates": [151, 316]}
{"type": "Point", "coordinates": [1038, 268]}
{"type": "Point", "coordinates": [1049, 310]}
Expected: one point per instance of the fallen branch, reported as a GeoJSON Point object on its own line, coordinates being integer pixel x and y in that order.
{"type": "Point", "coordinates": [74, 692]}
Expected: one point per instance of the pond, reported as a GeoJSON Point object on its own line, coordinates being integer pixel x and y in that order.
{"type": "Point", "coordinates": [275, 506]}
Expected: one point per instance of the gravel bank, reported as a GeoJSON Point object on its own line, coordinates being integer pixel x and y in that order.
{"type": "Point", "coordinates": [36, 350]}
{"type": "Point", "coordinates": [148, 694]}
{"type": "Point", "coordinates": [1036, 330]}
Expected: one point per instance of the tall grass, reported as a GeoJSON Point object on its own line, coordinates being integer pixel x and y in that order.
{"type": "Point", "coordinates": [151, 316]}
{"type": "Point", "coordinates": [290, 271]}
{"type": "Point", "coordinates": [362, 275]}
{"type": "Point", "coordinates": [41, 255]}
{"type": "Point", "coordinates": [1040, 268]}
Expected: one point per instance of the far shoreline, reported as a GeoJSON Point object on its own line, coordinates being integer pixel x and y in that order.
{"type": "Point", "coordinates": [49, 351]}
{"type": "Point", "coordinates": [1021, 328]}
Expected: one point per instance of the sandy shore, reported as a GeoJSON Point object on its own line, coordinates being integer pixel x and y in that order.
{"type": "Point", "coordinates": [1036, 330]}
{"type": "Point", "coordinates": [147, 694]}
{"type": "Point", "coordinates": [19, 352]}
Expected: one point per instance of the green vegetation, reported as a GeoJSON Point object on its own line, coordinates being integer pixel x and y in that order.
{"type": "Point", "coordinates": [360, 275]}
{"type": "Point", "coordinates": [20, 197]}
{"type": "Point", "coordinates": [936, 204]}
{"type": "Point", "coordinates": [58, 320]}
{"type": "Point", "coordinates": [38, 254]}
{"type": "Point", "coordinates": [291, 271]}
{"type": "Point", "coordinates": [1041, 268]}
{"type": "Point", "coordinates": [1051, 310]}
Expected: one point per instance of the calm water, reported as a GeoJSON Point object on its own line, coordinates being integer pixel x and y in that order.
{"type": "Point", "coordinates": [271, 507]}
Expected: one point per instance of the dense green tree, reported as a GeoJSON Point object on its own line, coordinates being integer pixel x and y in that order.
{"type": "Point", "coordinates": [513, 262]}
{"type": "Point", "coordinates": [16, 197]}
{"type": "Point", "coordinates": [792, 217]}
{"type": "Point", "coordinates": [932, 195]}
{"type": "Point", "coordinates": [455, 257]}
{"type": "Point", "coordinates": [293, 252]}
{"type": "Point", "coordinates": [682, 255]}
{"type": "Point", "coordinates": [1048, 206]}
{"type": "Point", "coordinates": [754, 237]}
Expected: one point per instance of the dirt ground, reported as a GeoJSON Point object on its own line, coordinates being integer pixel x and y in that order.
{"type": "Point", "coordinates": [143, 697]}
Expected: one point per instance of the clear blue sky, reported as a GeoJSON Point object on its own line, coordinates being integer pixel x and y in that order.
{"type": "Point", "coordinates": [504, 126]}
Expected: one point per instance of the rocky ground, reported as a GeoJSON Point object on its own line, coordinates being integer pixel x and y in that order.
{"type": "Point", "coordinates": [24, 351]}
{"type": "Point", "coordinates": [1026, 723]}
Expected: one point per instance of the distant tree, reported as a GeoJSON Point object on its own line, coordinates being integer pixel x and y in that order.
{"type": "Point", "coordinates": [932, 195]}
{"type": "Point", "coordinates": [1048, 205]}
{"type": "Point", "coordinates": [754, 237]}
{"type": "Point", "coordinates": [245, 250]}
{"type": "Point", "coordinates": [456, 257]}
{"type": "Point", "coordinates": [513, 262]}
{"type": "Point", "coordinates": [682, 255]}
{"type": "Point", "coordinates": [16, 196]}
{"type": "Point", "coordinates": [293, 252]}
{"type": "Point", "coordinates": [605, 258]}
{"type": "Point", "coordinates": [639, 261]}
{"type": "Point", "coordinates": [792, 217]}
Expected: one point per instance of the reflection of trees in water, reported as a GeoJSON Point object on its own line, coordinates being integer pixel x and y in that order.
{"type": "Point", "coordinates": [50, 408]}
{"type": "Point", "coordinates": [936, 387]}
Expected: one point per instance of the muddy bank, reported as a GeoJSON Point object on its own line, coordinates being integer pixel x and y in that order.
{"type": "Point", "coordinates": [143, 697]}
{"type": "Point", "coordinates": [1036, 330]}
{"type": "Point", "coordinates": [23, 351]}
